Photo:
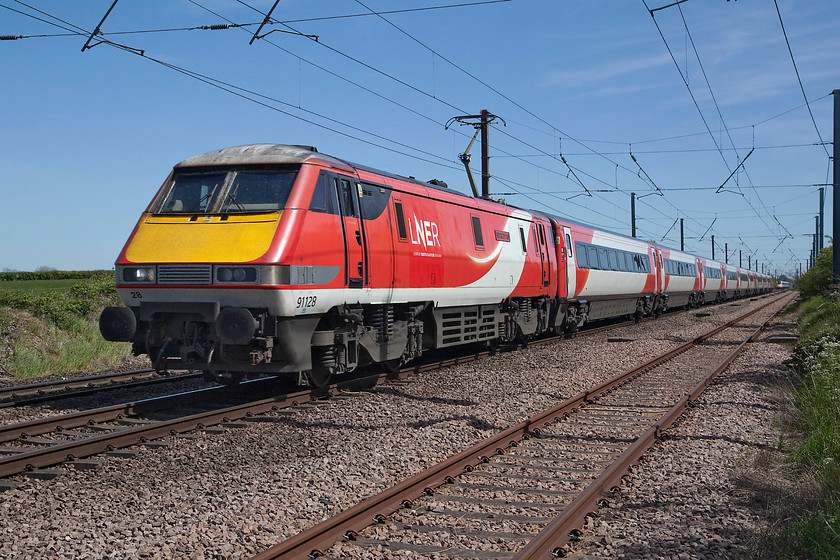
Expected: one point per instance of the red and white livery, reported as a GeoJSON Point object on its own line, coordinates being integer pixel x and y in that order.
{"type": "Point", "coordinates": [278, 259]}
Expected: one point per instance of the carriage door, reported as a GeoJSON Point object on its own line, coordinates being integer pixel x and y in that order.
{"type": "Point", "coordinates": [661, 272]}
{"type": "Point", "coordinates": [355, 269]}
{"type": "Point", "coordinates": [571, 276]}
{"type": "Point", "coordinates": [657, 271]}
{"type": "Point", "coordinates": [699, 266]}
{"type": "Point", "coordinates": [542, 243]}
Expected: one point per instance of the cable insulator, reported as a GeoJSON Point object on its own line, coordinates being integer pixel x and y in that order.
{"type": "Point", "coordinates": [10, 37]}
{"type": "Point", "coordinates": [218, 26]}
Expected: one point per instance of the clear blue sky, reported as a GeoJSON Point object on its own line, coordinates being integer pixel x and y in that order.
{"type": "Point", "coordinates": [88, 137]}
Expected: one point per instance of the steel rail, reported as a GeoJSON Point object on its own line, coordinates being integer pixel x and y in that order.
{"type": "Point", "coordinates": [38, 458]}
{"type": "Point", "coordinates": [347, 524]}
{"type": "Point", "coordinates": [552, 540]}
{"type": "Point", "coordinates": [44, 457]}
{"type": "Point", "coordinates": [19, 395]}
{"type": "Point", "coordinates": [72, 420]}
{"type": "Point", "coordinates": [105, 377]}
{"type": "Point", "coordinates": [24, 395]}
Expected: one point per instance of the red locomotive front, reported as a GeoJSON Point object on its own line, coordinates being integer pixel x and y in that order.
{"type": "Point", "coordinates": [271, 258]}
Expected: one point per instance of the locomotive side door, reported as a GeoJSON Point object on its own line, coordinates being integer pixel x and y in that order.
{"type": "Point", "coordinates": [355, 251]}
{"type": "Point", "coordinates": [569, 261]}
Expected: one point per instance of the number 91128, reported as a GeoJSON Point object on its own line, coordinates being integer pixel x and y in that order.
{"type": "Point", "coordinates": [306, 301]}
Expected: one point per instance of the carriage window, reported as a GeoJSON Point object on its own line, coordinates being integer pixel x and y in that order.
{"type": "Point", "coordinates": [401, 229]}
{"type": "Point", "coordinates": [479, 238]}
{"type": "Point", "coordinates": [569, 244]}
{"type": "Point", "coordinates": [582, 261]}
{"type": "Point", "coordinates": [603, 259]}
{"type": "Point", "coordinates": [592, 257]}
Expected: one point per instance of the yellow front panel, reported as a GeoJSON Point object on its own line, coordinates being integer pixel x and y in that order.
{"type": "Point", "coordinates": [165, 239]}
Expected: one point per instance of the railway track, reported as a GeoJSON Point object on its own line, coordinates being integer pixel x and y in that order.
{"type": "Point", "coordinates": [35, 444]}
{"type": "Point", "coordinates": [526, 492]}
{"type": "Point", "coordinates": [37, 393]}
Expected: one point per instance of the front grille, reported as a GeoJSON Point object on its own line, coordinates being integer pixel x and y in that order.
{"type": "Point", "coordinates": [185, 274]}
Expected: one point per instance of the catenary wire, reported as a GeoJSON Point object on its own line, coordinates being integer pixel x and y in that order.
{"type": "Point", "coordinates": [386, 139]}
{"type": "Point", "coordinates": [799, 79]}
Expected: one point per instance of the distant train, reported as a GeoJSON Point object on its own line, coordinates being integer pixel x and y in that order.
{"type": "Point", "coordinates": [278, 259]}
{"type": "Point", "coordinates": [782, 284]}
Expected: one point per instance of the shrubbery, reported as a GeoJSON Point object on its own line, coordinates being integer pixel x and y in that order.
{"type": "Point", "coordinates": [56, 330]}
{"type": "Point", "coordinates": [817, 280]}
{"type": "Point", "coordinates": [52, 275]}
{"type": "Point", "coordinates": [816, 359]}
{"type": "Point", "coordinates": [64, 308]}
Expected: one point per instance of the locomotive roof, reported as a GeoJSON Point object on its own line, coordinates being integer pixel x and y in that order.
{"type": "Point", "coordinates": [283, 153]}
{"type": "Point", "coordinates": [259, 153]}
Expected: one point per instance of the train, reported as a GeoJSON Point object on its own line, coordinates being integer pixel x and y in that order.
{"type": "Point", "coordinates": [279, 259]}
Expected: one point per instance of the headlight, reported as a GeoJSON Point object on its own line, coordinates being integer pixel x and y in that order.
{"type": "Point", "coordinates": [135, 274]}
{"type": "Point", "coordinates": [225, 274]}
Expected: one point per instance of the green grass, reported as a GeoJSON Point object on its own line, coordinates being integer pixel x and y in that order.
{"type": "Point", "coordinates": [37, 286]}
{"type": "Point", "coordinates": [818, 400]}
{"type": "Point", "coordinates": [46, 350]}
{"type": "Point", "coordinates": [816, 359]}
{"type": "Point", "coordinates": [819, 314]}
{"type": "Point", "coordinates": [815, 535]}
{"type": "Point", "coordinates": [51, 326]}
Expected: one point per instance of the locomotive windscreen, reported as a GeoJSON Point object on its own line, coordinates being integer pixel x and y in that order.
{"type": "Point", "coordinates": [226, 192]}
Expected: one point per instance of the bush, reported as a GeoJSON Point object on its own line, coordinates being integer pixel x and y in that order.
{"type": "Point", "coordinates": [817, 359]}
{"type": "Point", "coordinates": [64, 308]}
{"type": "Point", "coordinates": [56, 331]}
{"type": "Point", "coordinates": [52, 275]}
{"type": "Point", "coordinates": [816, 534]}
{"type": "Point", "coordinates": [817, 280]}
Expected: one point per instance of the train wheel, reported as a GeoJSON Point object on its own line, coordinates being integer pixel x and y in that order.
{"type": "Point", "coordinates": [318, 377]}
{"type": "Point", "coordinates": [392, 366]}
{"type": "Point", "coordinates": [229, 378]}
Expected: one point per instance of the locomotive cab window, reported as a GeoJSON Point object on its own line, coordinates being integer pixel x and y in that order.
{"type": "Point", "coordinates": [522, 240]}
{"type": "Point", "coordinates": [257, 192]}
{"type": "Point", "coordinates": [236, 190]}
{"type": "Point", "coordinates": [323, 198]}
{"type": "Point", "coordinates": [192, 193]}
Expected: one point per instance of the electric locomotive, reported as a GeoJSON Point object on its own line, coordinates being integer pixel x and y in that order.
{"type": "Point", "coordinates": [279, 259]}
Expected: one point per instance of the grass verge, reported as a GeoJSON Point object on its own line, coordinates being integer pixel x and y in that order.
{"type": "Point", "coordinates": [815, 532]}
{"type": "Point", "coordinates": [52, 331]}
